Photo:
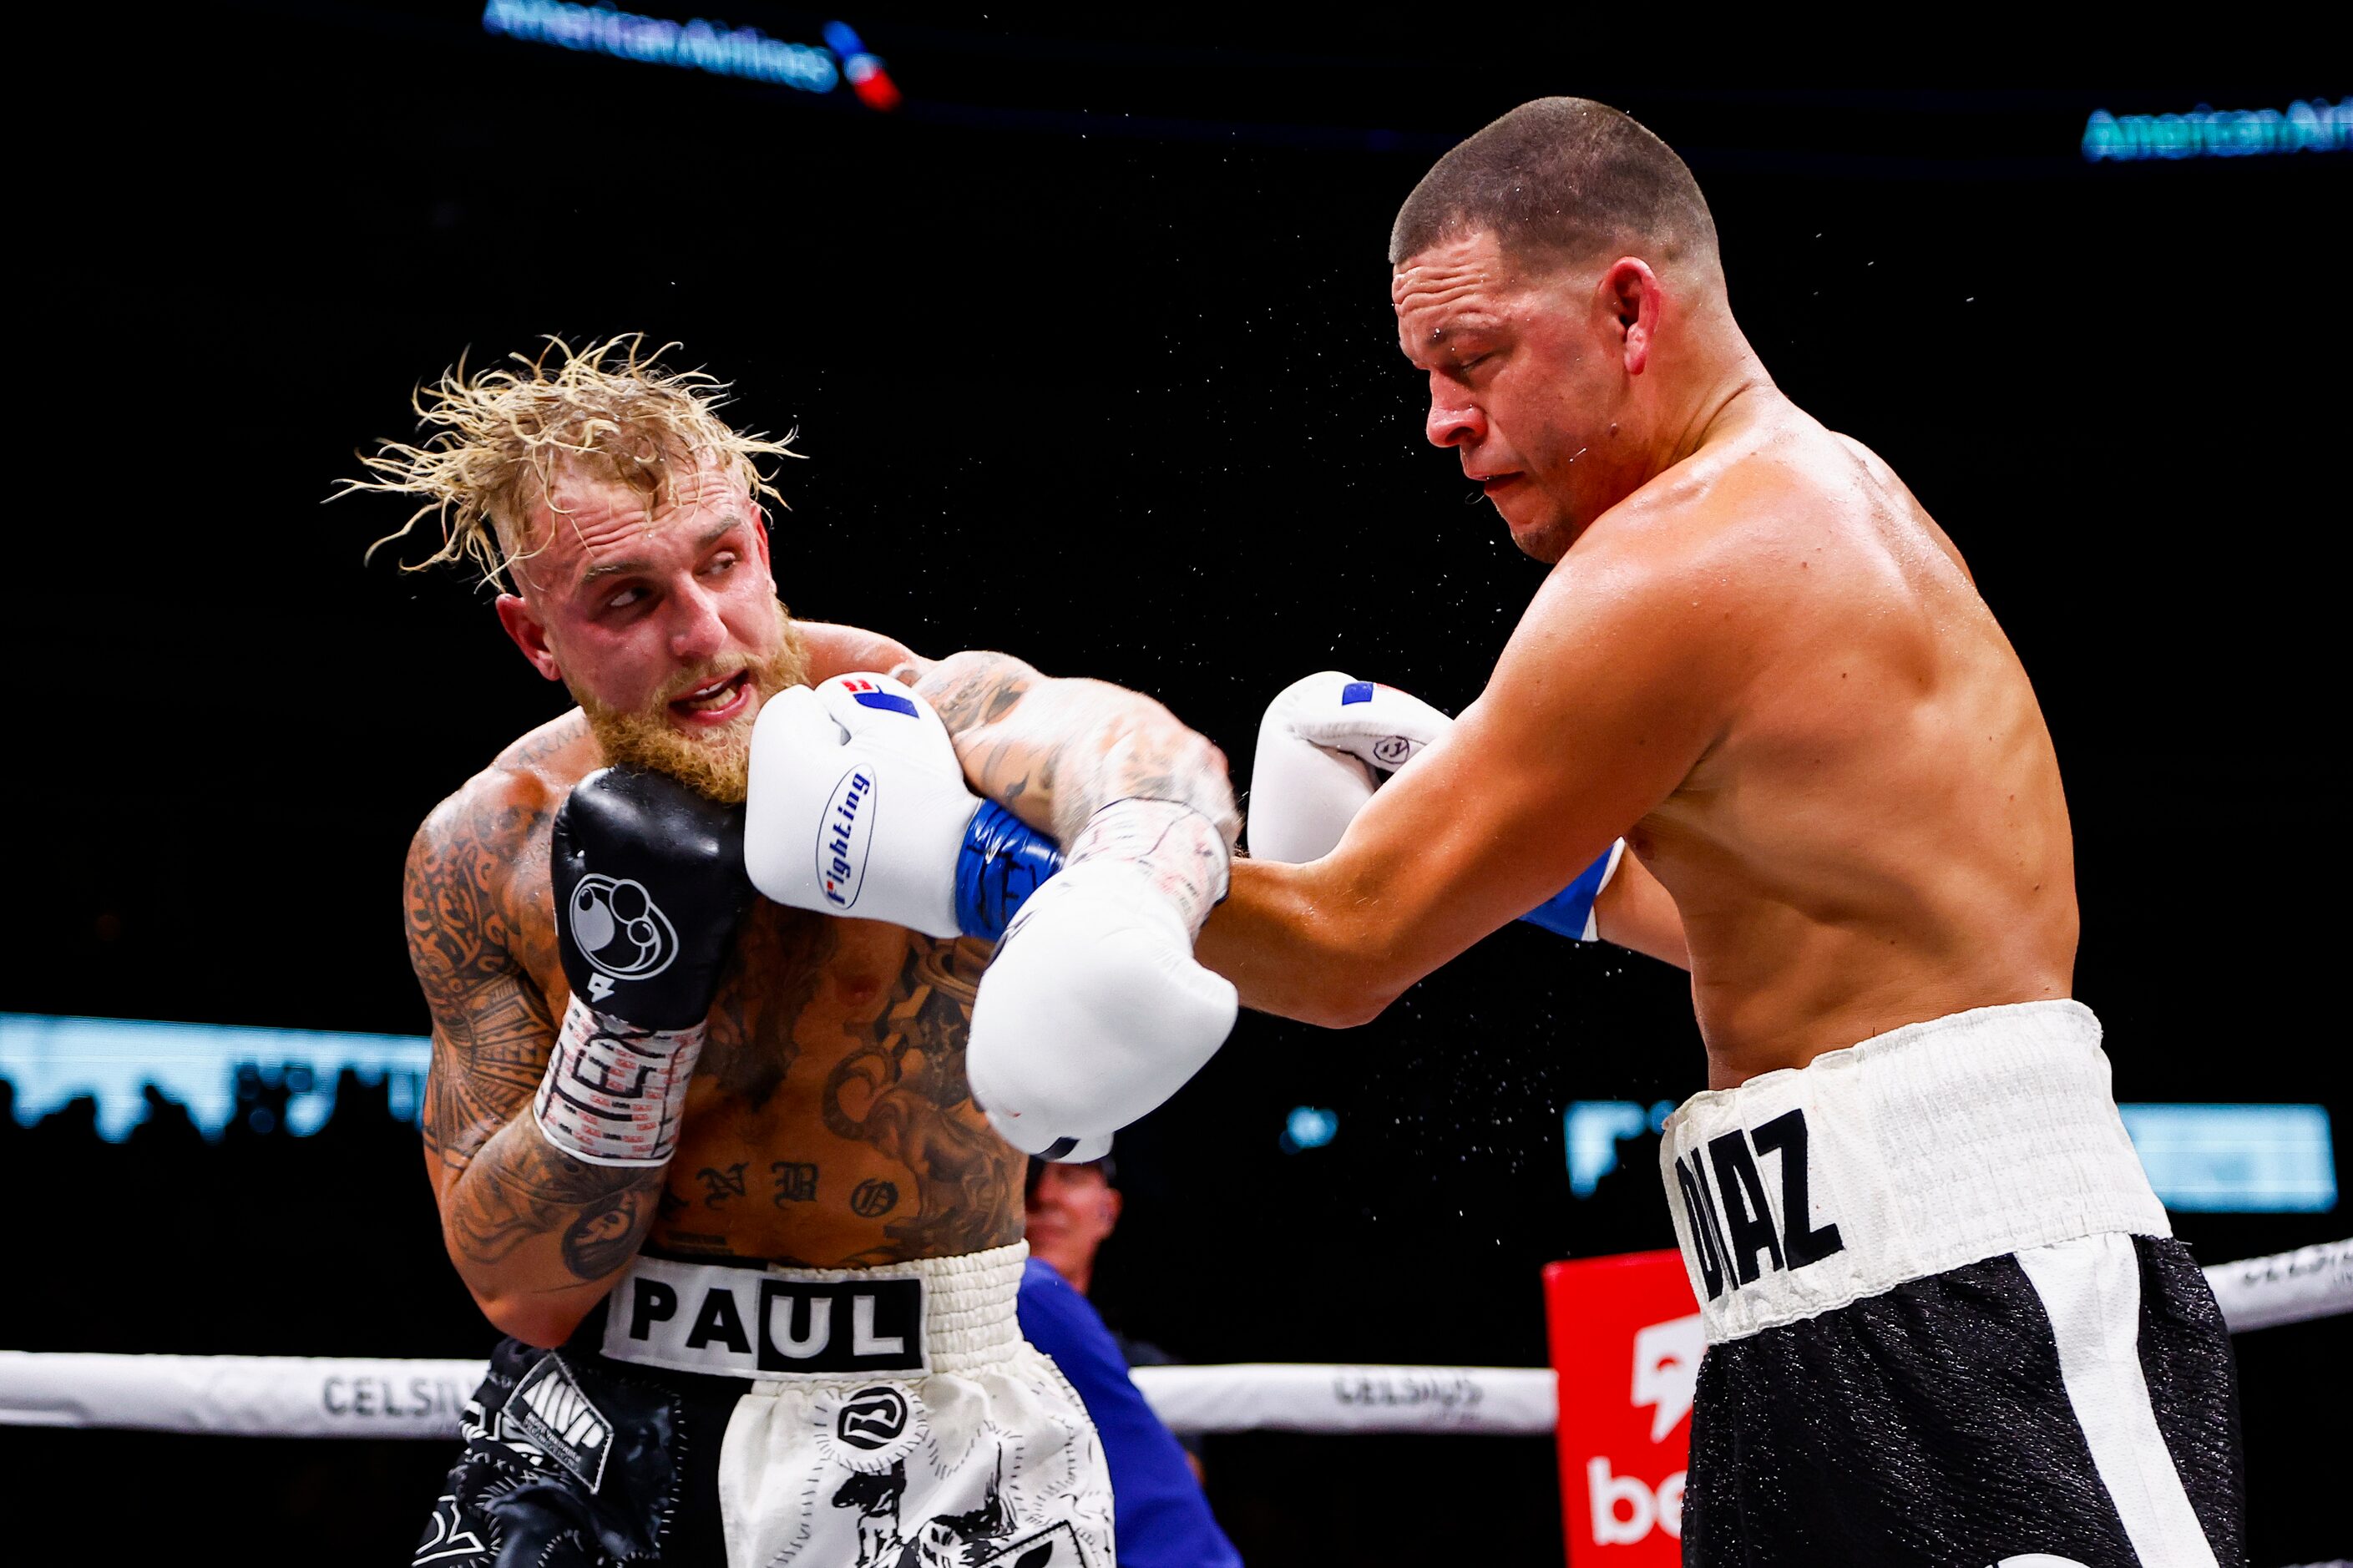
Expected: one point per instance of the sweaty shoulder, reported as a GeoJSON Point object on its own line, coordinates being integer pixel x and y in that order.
{"type": "Point", "coordinates": [465, 859]}
{"type": "Point", "coordinates": [836, 649]}
{"type": "Point", "coordinates": [1663, 588]}
{"type": "Point", "coordinates": [1770, 518]}
{"type": "Point", "coordinates": [556, 756]}
{"type": "Point", "coordinates": [1710, 585]}
{"type": "Point", "coordinates": [526, 780]}
{"type": "Point", "coordinates": [1886, 483]}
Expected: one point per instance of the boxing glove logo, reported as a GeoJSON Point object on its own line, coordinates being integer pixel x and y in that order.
{"type": "Point", "coordinates": [843, 836]}
{"type": "Point", "coordinates": [620, 931]}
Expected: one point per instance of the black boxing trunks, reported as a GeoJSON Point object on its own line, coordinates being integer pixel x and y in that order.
{"type": "Point", "coordinates": [711, 1413]}
{"type": "Point", "coordinates": [1947, 1322]}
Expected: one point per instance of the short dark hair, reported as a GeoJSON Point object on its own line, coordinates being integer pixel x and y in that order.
{"type": "Point", "coordinates": [1566, 176]}
{"type": "Point", "coordinates": [1037, 1168]}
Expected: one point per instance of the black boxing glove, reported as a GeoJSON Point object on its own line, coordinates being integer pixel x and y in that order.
{"type": "Point", "coordinates": [650, 888]}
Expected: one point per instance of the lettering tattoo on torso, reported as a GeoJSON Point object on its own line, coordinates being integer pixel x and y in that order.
{"type": "Point", "coordinates": [718, 1185]}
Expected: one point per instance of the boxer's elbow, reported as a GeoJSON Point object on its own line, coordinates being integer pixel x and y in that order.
{"type": "Point", "coordinates": [536, 1319]}
{"type": "Point", "coordinates": [1352, 982]}
{"type": "Point", "coordinates": [1279, 981]}
{"type": "Point", "coordinates": [1362, 1004]}
{"type": "Point", "coordinates": [1343, 1010]}
{"type": "Point", "coordinates": [530, 1308]}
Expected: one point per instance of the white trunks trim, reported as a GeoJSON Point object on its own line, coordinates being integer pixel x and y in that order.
{"type": "Point", "coordinates": [1932, 1146]}
{"type": "Point", "coordinates": [934, 1314]}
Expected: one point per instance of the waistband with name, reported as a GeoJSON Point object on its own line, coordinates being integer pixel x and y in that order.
{"type": "Point", "coordinates": [931, 1315]}
{"type": "Point", "coordinates": [1921, 1150]}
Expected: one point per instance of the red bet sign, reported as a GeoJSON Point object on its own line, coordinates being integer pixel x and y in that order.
{"type": "Point", "coordinates": [1626, 1341]}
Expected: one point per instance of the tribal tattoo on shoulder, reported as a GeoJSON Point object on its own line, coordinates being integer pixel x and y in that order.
{"type": "Point", "coordinates": [903, 1093]}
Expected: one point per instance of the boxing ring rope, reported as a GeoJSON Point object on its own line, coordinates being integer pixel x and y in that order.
{"type": "Point", "coordinates": [333, 1396]}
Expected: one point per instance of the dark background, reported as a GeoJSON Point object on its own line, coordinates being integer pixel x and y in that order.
{"type": "Point", "coordinates": [1088, 347]}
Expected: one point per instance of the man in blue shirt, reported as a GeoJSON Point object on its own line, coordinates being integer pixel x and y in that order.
{"type": "Point", "coordinates": [1161, 1518]}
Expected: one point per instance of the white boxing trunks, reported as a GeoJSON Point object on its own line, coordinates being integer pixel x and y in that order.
{"type": "Point", "coordinates": [887, 1418]}
{"type": "Point", "coordinates": [1946, 1319]}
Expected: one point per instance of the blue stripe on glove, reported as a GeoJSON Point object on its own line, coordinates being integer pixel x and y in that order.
{"type": "Point", "coordinates": [888, 701]}
{"type": "Point", "coordinates": [1002, 863]}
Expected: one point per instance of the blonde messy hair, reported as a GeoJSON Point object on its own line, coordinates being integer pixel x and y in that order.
{"type": "Point", "coordinates": [503, 433]}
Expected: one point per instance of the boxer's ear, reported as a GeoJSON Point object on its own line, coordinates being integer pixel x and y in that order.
{"type": "Point", "coordinates": [760, 539]}
{"type": "Point", "coordinates": [527, 634]}
{"type": "Point", "coordinates": [1630, 297]}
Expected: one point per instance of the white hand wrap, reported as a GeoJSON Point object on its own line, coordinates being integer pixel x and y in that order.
{"type": "Point", "coordinates": [1094, 1010]}
{"type": "Point", "coordinates": [613, 1091]}
{"type": "Point", "coordinates": [1183, 855]}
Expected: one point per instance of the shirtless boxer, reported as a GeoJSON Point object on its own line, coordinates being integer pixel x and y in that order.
{"type": "Point", "coordinates": [718, 1155]}
{"type": "Point", "coordinates": [1947, 1323]}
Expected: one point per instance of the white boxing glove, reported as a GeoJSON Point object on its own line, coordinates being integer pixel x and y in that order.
{"type": "Point", "coordinates": [1323, 747]}
{"type": "Point", "coordinates": [1094, 1010]}
{"type": "Point", "coordinates": [1319, 746]}
{"type": "Point", "coordinates": [858, 806]}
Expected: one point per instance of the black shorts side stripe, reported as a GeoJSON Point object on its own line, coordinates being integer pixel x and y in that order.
{"type": "Point", "coordinates": [1932, 1423]}
{"type": "Point", "coordinates": [2185, 1354]}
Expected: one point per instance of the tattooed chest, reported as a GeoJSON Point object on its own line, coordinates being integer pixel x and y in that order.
{"type": "Point", "coordinates": [795, 974]}
{"type": "Point", "coordinates": [829, 1122]}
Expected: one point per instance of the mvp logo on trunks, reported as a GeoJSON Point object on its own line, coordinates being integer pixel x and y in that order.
{"type": "Point", "coordinates": [1732, 1223]}
{"type": "Point", "coordinates": [548, 1412]}
{"type": "Point", "coordinates": [759, 1325]}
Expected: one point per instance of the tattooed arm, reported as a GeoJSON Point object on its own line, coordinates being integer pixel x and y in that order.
{"type": "Point", "coordinates": [1055, 752]}
{"type": "Point", "coordinates": [1052, 751]}
{"type": "Point", "coordinates": [537, 1235]}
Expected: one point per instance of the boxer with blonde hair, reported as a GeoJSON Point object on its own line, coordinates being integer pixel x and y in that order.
{"type": "Point", "coordinates": [710, 1161]}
